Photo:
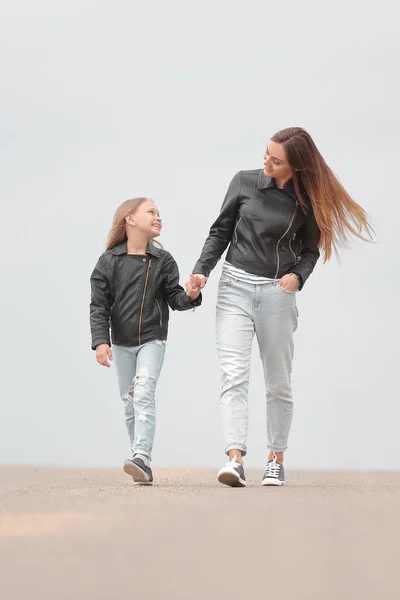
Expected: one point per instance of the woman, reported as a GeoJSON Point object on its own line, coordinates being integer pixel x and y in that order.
{"type": "Point", "coordinates": [275, 221]}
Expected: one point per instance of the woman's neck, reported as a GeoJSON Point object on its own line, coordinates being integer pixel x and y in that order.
{"type": "Point", "coordinates": [280, 183]}
{"type": "Point", "coordinates": [137, 244]}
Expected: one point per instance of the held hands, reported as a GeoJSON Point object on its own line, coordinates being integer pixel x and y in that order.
{"type": "Point", "coordinates": [200, 280]}
{"type": "Point", "coordinates": [103, 352]}
{"type": "Point", "coordinates": [289, 283]}
{"type": "Point", "coordinates": [194, 285]}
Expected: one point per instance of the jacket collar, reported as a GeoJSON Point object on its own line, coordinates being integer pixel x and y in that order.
{"type": "Point", "coordinates": [264, 183]}
{"type": "Point", "coordinates": [122, 248]}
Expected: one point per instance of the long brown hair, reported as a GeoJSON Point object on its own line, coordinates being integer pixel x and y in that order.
{"type": "Point", "coordinates": [118, 229]}
{"type": "Point", "coordinates": [337, 214]}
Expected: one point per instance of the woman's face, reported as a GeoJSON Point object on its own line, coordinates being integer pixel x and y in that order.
{"type": "Point", "coordinates": [275, 163]}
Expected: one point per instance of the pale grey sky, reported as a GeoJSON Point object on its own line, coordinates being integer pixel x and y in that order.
{"type": "Point", "coordinates": [102, 101]}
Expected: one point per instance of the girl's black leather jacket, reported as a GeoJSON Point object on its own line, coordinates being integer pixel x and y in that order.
{"type": "Point", "coordinates": [132, 294]}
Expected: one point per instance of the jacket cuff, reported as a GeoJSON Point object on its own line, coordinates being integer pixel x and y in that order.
{"type": "Point", "coordinates": [199, 269]}
{"type": "Point", "coordinates": [98, 342]}
{"type": "Point", "coordinates": [197, 302]}
{"type": "Point", "coordinates": [301, 278]}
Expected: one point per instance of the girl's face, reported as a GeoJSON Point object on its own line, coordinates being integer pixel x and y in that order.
{"type": "Point", "coordinates": [146, 219]}
{"type": "Point", "coordinates": [275, 162]}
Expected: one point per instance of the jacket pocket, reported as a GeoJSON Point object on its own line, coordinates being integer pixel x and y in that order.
{"type": "Point", "coordinates": [235, 234]}
{"type": "Point", "coordinates": [160, 312]}
{"type": "Point", "coordinates": [291, 241]}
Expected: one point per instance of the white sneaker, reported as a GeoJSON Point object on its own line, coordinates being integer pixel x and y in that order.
{"type": "Point", "coordinates": [232, 474]}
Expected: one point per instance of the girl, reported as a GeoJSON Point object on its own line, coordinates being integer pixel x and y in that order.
{"type": "Point", "coordinates": [132, 285]}
{"type": "Point", "coordinates": [275, 220]}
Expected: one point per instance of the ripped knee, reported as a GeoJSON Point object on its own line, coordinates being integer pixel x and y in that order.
{"type": "Point", "coordinates": [142, 376]}
{"type": "Point", "coordinates": [140, 379]}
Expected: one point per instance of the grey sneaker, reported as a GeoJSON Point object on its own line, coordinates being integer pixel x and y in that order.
{"type": "Point", "coordinates": [232, 474]}
{"type": "Point", "coordinates": [140, 472]}
{"type": "Point", "coordinates": [274, 473]}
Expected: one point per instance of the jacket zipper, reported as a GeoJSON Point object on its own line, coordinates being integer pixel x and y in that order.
{"type": "Point", "coordinates": [235, 232]}
{"type": "Point", "coordinates": [142, 305]}
{"type": "Point", "coordinates": [291, 249]}
{"type": "Point", "coordinates": [160, 312]}
{"type": "Point", "coordinates": [281, 238]}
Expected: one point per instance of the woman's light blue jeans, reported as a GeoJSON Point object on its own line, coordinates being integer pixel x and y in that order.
{"type": "Point", "coordinates": [266, 310]}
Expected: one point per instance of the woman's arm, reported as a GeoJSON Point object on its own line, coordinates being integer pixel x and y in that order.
{"type": "Point", "coordinates": [221, 231]}
{"type": "Point", "coordinates": [309, 250]}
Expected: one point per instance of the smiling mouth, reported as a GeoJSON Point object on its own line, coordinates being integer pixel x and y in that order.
{"type": "Point", "coordinates": [157, 226]}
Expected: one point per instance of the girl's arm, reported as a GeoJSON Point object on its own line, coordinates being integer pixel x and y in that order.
{"type": "Point", "coordinates": [173, 292]}
{"type": "Point", "coordinates": [221, 231]}
{"type": "Point", "coordinates": [100, 306]}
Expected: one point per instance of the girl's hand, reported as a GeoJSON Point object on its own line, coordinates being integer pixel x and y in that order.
{"type": "Point", "coordinates": [289, 283]}
{"type": "Point", "coordinates": [192, 287]}
{"type": "Point", "coordinates": [103, 351]}
{"type": "Point", "coordinates": [199, 279]}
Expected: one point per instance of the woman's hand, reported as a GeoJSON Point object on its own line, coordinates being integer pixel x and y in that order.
{"type": "Point", "coordinates": [200, 280]}
{"type": "Point", "coordinates": [103, 351]}
{"type": "Point", "coordinates": [193, 287]}
{"type": "Point", "coordinates": [289, 283]}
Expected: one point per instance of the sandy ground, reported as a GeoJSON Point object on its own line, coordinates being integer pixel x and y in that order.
{"type": "Point", "coordinates": [83, 534]}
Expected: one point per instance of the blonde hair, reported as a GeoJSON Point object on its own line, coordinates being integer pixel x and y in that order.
{"type": "Point", "coordinates": [117, 232]}
{"type": "Point", "coordinates": [337, 214]}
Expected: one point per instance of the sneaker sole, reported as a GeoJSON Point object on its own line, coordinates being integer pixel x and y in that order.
{"type": "Point", "coordinates": [137, 474]}
{"type": "Point", "coordinates": [275, 482]}
{"type": "Point", "coordinates": [231, 479]}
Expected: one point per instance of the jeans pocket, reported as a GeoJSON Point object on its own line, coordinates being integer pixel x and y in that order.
{"type": "Point", "coordinates": [286, 291]}
{"type": "Point", "coordinates": [224, 280]}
